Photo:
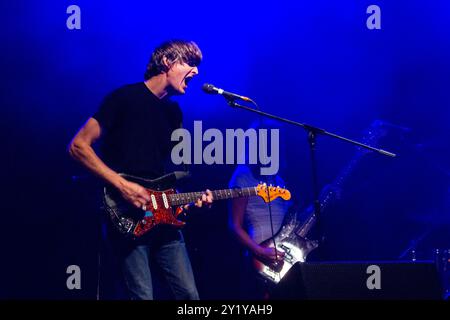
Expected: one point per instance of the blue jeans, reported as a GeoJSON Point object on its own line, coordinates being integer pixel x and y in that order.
{"type": "Point", "coordinates": [165, 246]}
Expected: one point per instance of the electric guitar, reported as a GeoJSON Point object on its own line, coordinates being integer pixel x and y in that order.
{"type": "Point", "coordinates": [292, 236]}
{"type": "Point", "coordinates": [166, 204]}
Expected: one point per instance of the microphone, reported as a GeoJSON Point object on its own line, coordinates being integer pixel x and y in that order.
{"type": "Point", "coordinates": [210, 89]}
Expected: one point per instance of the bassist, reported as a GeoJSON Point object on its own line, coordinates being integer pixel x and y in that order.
{"type": "Point", "coordinates": [251, 225]}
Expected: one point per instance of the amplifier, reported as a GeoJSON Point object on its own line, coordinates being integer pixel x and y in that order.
{"type": "Point", "coordinates": [361, 280]}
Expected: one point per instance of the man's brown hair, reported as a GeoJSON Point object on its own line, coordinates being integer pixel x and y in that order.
{"type": "Point", "coordinates": [175, 51]}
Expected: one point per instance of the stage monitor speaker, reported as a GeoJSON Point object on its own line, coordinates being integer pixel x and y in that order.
{"type": "Point", "coordinates": [360, 281]}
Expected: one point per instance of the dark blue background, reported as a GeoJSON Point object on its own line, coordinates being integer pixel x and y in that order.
{"type": "Point", "coordinates": [311, 61]}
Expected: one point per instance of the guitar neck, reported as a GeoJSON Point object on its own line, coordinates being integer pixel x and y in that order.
{"type": "Point", "coordinates": [328, 197]}
{"type": "Point", "coordinates": [179, 199]}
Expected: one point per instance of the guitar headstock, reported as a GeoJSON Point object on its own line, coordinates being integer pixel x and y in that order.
{"type": "Point", "coordinates": [270, 193]}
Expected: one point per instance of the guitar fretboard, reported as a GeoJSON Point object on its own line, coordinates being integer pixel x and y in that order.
{"type": "Point", "coordinates": [178, 199]}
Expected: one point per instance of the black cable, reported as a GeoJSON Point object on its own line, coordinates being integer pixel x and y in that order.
{"type": "Point", "coordinates": [269, 205]}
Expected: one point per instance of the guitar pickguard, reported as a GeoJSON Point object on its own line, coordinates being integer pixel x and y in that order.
{"type": "Point", "coordinates": [295, 249]}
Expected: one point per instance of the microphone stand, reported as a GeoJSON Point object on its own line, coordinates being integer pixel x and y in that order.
{"type": "Point", "coordinates": [312, 133]}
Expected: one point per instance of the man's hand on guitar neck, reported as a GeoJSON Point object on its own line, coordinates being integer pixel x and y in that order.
{"type": "Point", "coordinates": [207, 198]}
{"type": "Point", "coordinates": [138, 196]}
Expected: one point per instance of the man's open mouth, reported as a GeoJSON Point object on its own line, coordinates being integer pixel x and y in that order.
{"type": "Point", "coordinates": [187, 79]}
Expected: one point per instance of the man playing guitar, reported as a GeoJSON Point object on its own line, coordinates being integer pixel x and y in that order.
{"type": "Point", "coordinates": [135, 123]}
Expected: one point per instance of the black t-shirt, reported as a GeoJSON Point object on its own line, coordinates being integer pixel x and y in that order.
{"type": "Point", "coordinates": [136, 130]}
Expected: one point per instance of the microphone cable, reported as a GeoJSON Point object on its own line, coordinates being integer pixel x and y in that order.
{"type": "Point", "coordinates": [269, 204]}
